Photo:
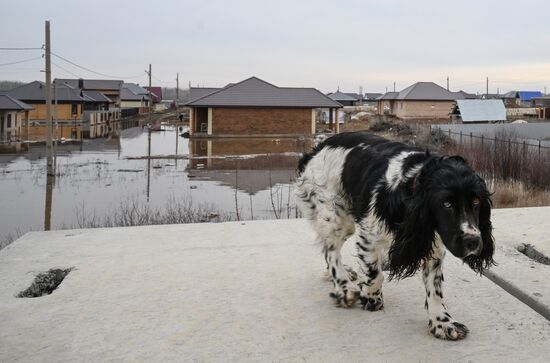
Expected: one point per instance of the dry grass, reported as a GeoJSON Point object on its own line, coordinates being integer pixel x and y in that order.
{"type": "Point", "coordinates": [515, 195]}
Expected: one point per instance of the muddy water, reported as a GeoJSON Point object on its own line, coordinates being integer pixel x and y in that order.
{"type": "Point", "coordinates": [97, 177]}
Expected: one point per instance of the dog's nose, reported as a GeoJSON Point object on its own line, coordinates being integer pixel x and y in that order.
{"type": "Point", "coordinates": [472, 243]}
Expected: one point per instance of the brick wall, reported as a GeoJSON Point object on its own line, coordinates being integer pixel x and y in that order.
{"type": "Point", "coordinates": [423, 109]}
{"type": "Point", "coordinates": [261, 121]}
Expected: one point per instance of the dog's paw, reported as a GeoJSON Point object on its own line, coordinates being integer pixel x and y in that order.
{"type": "Point", "coordinates": [345, 299]}
{"type": "Point", "coordinates": [443, 327]}
{"type": "Point", "coordinates": [372, 301]}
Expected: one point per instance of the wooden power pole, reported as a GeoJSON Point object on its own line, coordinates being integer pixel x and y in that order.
{"type": "Point", "coordinates": [150, 97]}
{"type": "Point", "coordinates": [177, 89]}
{"type": "Point", "coordinates": [487, 89]}
{"type": "Point", "coordinates": [49, 133]}
{"type": "Point", "coordinates": [447, 83]}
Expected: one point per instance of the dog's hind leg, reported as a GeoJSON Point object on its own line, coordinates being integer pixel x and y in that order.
{"type": "Point", "coordinates": [370, 271]}
{"type": "Point", "coordinates": [333, 228]}
{"type": "Point", "coordinates": [440, 323]}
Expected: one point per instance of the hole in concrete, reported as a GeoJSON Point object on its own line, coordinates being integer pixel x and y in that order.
{"type": "Point", "coordinates": [45, 283]}
{"type": "Point", "coordinates": [531, 252]}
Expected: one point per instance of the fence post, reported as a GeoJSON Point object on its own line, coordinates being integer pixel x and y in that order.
{"type": "Point", "coordinates": [524, 152]}
{"type": "Point", "coordinates": [482, 142]}
{"type": "Point", "coordinates": [471, 139]}
{"type": "Point", "coordinates": [539, 147]}
{"type": "Point", "coordinates": [460, 138]}
{"type": "Point", "coordinates": [449, 133]}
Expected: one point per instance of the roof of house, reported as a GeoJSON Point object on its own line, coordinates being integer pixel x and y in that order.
{"type": "Point", "coordinates": [36, 91]}
{"type": "Point", "coordinates": [388, 96]}
{"type": "Point", "coordinates": [254, 92]}
{"type": "Point", "coordinates": [8, 103]}
{"type": "Point", "coordinates": [135, 88]}
{"type": "Point", "coordinates": [465, 95]}
{"type": "Point", "coordinates": [96, 96]}
{"type": "Point", "coordinates": [426, 91]}
{"type": "Point", "coordinates": [198, 92]}
{"type": "Point", "coordinates": [372, 95]}
{"type": "Point", "coordinates": [341, 96]}
{"type": "Point", "coordinates": [495, 96]}
{"type": "Point", "coordinates": [126, 94]}
{"type": "Point", "coordinates": [156, 92]}
{"type": "Point", "coordinates": [94, 84]}
{"type": "Point", "coordinates": [481, 110]}
{"type": "Point", "coordinates": [527, 95]}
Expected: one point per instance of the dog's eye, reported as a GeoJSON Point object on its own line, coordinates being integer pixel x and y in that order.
{"type": "Point", "coordinates": [447, 205]}
{"type": "Point", "coordinates": [475, 201]}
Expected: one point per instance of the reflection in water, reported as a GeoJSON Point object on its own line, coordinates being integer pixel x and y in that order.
{"type": "Point", "coordinates": [253, 176]}
{"type": "Point", "coordinates": [261, 163]}
{"type": "Point", "coordinates": [50, 180]}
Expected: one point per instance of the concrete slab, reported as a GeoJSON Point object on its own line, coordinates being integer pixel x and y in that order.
{"type": "Point", "coordinates": [252, 291]}
{"type": "Point", "coordinates": [520, 275]}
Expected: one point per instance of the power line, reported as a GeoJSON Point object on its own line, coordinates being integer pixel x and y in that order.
{"type": "Point", "coordinates": [66, 70]}
{"type": "Point", "coordinates": [21, 61]}
{"type": "Point", "coordinates": [92, 71]}
{"type": "Point", "coordinates": [20, 48]}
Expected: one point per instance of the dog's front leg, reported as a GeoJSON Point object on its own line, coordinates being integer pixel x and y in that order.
{"type": "Point", "coordinates": [440, 323]}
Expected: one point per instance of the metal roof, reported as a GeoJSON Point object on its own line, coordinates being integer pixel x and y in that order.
{"type": "Point", "coordinates": [388, 96]}
{"type": "Point", "coordinates": [372, 96]}
{"type": "Point", "coordinates": [481, 110]}
{"type": "Point", "coordinates": [135, 88]}
{"type": "Point", "coordinates": [96, 96]}
{"type": "Point", "coordinates": [427, 91]}
{"type": "Point", "coordinates": [341, 96]}
{"type": "Point", "coordinates": [254, 92]}
{"type": "Point", "coordinates": [126, 94]}
{"type": "Point", "coordinates": [94, 84]}
{"type": "Point", "coordinates": [36, 91]}
{"type": "Point", "coordinates": [527, 95]}
{"type": "Point", "coordinates": [9, 103]}
{"type": "Point", "coordinates": [198, 92]}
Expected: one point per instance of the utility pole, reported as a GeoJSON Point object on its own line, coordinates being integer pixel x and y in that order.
{"type": "Point", "coordinates": [49, 142]}
{"type": "Point", "coordinates": [447, 83]}
{"type": "Point", "coordinates": [177, 89]}
{"type": "Point", "coordinates": [545, 91]}
{"type": "Point", "coordinates": [150, 96]}
{"type": "Point", "coordinates": [394, 86]}
{"type": "Point", "coordinates": [487, 91]}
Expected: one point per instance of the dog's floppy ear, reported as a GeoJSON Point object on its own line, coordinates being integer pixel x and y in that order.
{"type": "Point", "coordinates": [413, 240]}
{"type": "Point", "coordinates": [485, 258]}
{"type": "Point", "coordinates": [414, 236]}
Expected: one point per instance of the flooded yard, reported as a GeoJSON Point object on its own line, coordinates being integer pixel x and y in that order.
{"type": "Point", "coordinates": [221, 178]}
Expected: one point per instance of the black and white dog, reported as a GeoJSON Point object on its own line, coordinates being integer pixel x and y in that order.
{"type": "Point", "coordinates": [407, 206]}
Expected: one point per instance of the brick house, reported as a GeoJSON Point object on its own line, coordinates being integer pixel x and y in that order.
{"type": "Point", "coordinates": [420, 101]}
{"type": "Point", "coordinates": [254, 107]}
{"type": "Point", "coordinates": [14, 119]}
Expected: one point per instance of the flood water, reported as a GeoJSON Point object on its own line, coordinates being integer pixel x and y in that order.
{"type": "Point", "coordinates": [249, 177]}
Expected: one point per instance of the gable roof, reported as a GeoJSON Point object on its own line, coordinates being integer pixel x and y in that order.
{"type": "Point", "coordinates": [94, 84]}
{"type": "Point", "coordinates": [481, 110]}
{"type": "Point", "coordinates": [464, 95]}
{"type": "Point", "coordinates": [341, 96]}
{"type": "Point", "coordinates": [427, 91]}
{"type": "Point", "coordinates": [9, 103]}
{"type": "Point", "coordinates": [156, 92]}
{"type": "Point", "coordinates": [126, 94]}
{"type": "Point", "coordinates": [254, 92]}
{"type": "Point", "coordinates": [36, 92]}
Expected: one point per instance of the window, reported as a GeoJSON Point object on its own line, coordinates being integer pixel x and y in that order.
{"type": "Point", "coordinates": [74, 109]}
{"type": "Point", "coordinates": [9, 121]}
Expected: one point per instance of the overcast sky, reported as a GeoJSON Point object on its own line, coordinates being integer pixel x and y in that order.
{"type": "Point", "coordinates": [322, 44]}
